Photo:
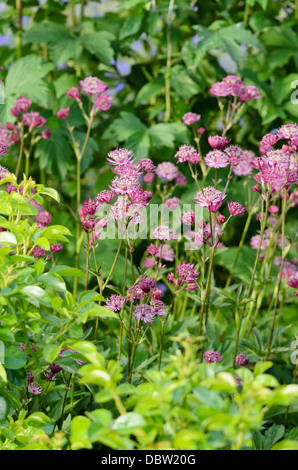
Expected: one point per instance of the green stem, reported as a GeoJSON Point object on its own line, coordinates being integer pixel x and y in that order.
{"type": "Point", "coordinates": [161, 344]}
{"type": "Point", "coordinates": [168, 63]}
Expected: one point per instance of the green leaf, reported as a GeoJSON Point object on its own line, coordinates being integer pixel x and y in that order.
{"type": "Point", "coordinates": [129, 423]}
{"type": "Point", "coordinates": [8, 238]}
{"type": "Point", "coordinates": [4, 408]}
{"type": "Point", "coordinates": [101, 312]}
{"type": "Point", "coordinates": [99, 44]}
{"type": "Point", "coordinates": [15, 358]}
{"type": "Point", "coordinates": [51, 351]}
{"type": "Point", "coordinates": [67, 271]}
{"type": "Point", "coordinates": [131, 26]}
{"type": "Point", "coordinates": [149, 91]}
{"type": "Point", "coordinates": [285, 445]}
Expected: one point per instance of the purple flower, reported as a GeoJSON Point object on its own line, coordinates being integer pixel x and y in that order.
{"type": "Point", "coordinates": [186, 273]}
{"type": "Point", "coordinates": [146, 164]}
{"type": "Point", "coordinates": [235, 208]}
{"type": "Point", "coordinates": [242, 360]}
{"type": "Point", "coordinates": [92, 85]}
{"type": "Point", "coordinates": [74, 93]}
{"type": "Point", "coordinates": [43, 219]}
{"type": "Point", "coordinates": [103, 102]}
{"type": "Point", "coordinates": [38, 252]}
{"type": "Point", "coordinates": [115, 303]}
{"type": "Point", "coordinates": [145, 313]}
{"type": "Point", "coordinates": [56, 248]}
{"type": "Point", "coordinates": [190, 118]}
{"type": "Point", "coordinates": [147, 284]}
{"type": "Point", "coordinates": [167, 171]}
{"type": "Point", "coordinates": [216, 159]}
{"type": "Point", "coordinates": [34, 388]}
{"type": "Point", "coordinates": [163, 233]}
{"type": "Point", "coordinates": [63, 113]}
{"type": "Point", "coordinates": [212, 356]}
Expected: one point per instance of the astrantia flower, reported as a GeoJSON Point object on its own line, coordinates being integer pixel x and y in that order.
{"type": "Point", "coordinates": [46, 134]}
{"type": "Point", "coordinates": [181, 180]}
{"type": "Point", "coordinates": [124, 185]}
{"type": "Point", "coordinates": [210, 198]}
{"type": "Point", "coordinates": [43, 219]}
{"type": "Point", "coordinates": [166, 253]}
{"type": "Point", "coordinates": [139, 196]}
{"type": "Point", "coordinates": [147, 284]}
{"type": "Point", "coordinates": [148, 263]}
{"type": "Point", "coordinates": [255, 240]}
{"type": "Point", "coordinates": [156, 294]}
{"type": "Point", "coordinates": [56, 248]}
{"type": "Point", "coordinates": [92, 85]}
{"type": "Point", "coordinates": [220, 89]}
{"type": "Point", "coordinates": [190, 118]}
{"type": "Point", "coordinates": [269, 140]}
{"type": "Point", "coordinates": [21, 105]}
{"type": "Point", "coordinates": [171, 278]}
{"type": "Point", "coordinates": [146, 164]}
{"type": "Point", "coordinates": [145, 313]}
{"type": "Point", "coordinates": [149, 178]}
{"type": "Point", "coordinates": [33, 119]}
{"type": "Point", "coordinates": [90, 207]}
{"type": "Point", "coordinates": [3, 149]}
{"type": "Point", "coordinates": [74, 93]}
{"type": "Point", "coordinates": [103, 102]}
{"type": "Point", "coordinates": [136, 292]}
{"type": "Point", "coordinates": [34, 388]}
{"type": "Point", "coordinates": [218, 142]}
{"type": "Point", "coordinates": [234, 153]}
{"type": "Point", "coordinates": [188, 218]}
{"type": "Point", "coordinates": [212, 356]}
{"type": "Point", "coordinates": [163, 233]}
{"type": "Point", "coordinates": [38, 252]}
{"type": "Point", "coordinates": [235, 208]}
{"type": "Point", "coordinates": [242, 360]}
{"type": "Point", "coordinates": [167, 171]}
{"type": "Point", "coordinates": [288, 131]}
{"type": "Point", "coordinates": [216, 159]}
{"type": "Point", "coordinates": [187, 153]}
{"type": "Point", "coordinates": [293, 281]}
{"type": "Point", "coordinates": [172, 203]}
{"type": "Point", "coordinates": [62, 113]}
{"type": "Point", "coordinates": [152, 249]}
{"type": "Point", "coordinates": [105, 196]}
{"type": "Point", "coordinates": [115, 303]}
{"type": "Point", "coordinates": [244, 164]}
{"type": "Point", "coordinates": [248, 93]}
{"type": "Point", "coordinates": [120, 156]}
{"type": "Point", "coordinates": [159, 307]}
{"type": "Point", "coordinates": [186, 273]}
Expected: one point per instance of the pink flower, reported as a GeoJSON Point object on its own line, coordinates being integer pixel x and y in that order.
{"type": "Point", "coordinates": [92, 85]}
{"type": "Point", "coordinates": [249, 92]}
{"type": "Point", "coordinates": [293, 281]}
{"type": "Point", "coordinates": [163, 233]}
{"type": "Point", "coordinates": [63, 113]}
{"type": "Point", "coordinates": [220, 89]}
{"type": "Point", "coordinates": [105, 196]}
{"type": "Point", "coordinates": [186, 273]}
{"type": "Point", "coordinates": [149, 263]}
{"type": "Point", "coordinates": [217, 142]}
{"type": "Point", "coordinates": [190, 118]}
{"type": "Point", "coordinates": [201, 130]}
{"type": "Point", "coordinates": [166, 253]}
{"type": "Point", "coordinates": [156, 294]}
{"type": "Point", "coordinates": [167, 171]}
{"type": "Point", "coordinates": [220, 218]}
{"type": "Point", "coordinates": [46, 134]}
{"type": "Point", "coordinates": [74, 93]}
{"type": "Point", "coordinates": [38, 252]}
{"type": "Point", "coordinates": [188, 218]}
{"type": "Point", "coordinates": [242, 359]}
{"type": "Point", "coordinates": [181, 180]}
{"type": "Point", "coordinates": [147, 284]}
{"type": "Point", "coordinates": [146, 164]}
{"type": "Point", "coordinates": [103, 102]}
{"type": "Point", "coordinates": [159, 307]}
{"type": "Point", "coordinates": [210, 198]}
{"type": "Point", "coordinates": [216, 159]}
{"type": "Point", "coordinates": [187, 153]}
{"type": "Point", "coordinates": [172, 203]}
{"type": "Point", "coordinates": [152, 249]}
{"type": "Point", "coordinates": [90, 207]}
{"type": "Point", "coordinates": [21, 105]}
{"type": "Point", "coordinates": [171, 278]}
{"type": "Point", "coordinates": [149, 178]}
{"type": "Point", "coordinates": [43, 218]}
{"type": "Point", "coordinates": [212, 356]}
{"type": "Point", "coordinates": [144, 313]}
{"type": "Point", "coordinates": [33, 119]}
{"type": "Point", "coordinates": [120, 156]}
{"type": "Point", "coordinates": [115, 303]}
{"type": "Point", "coordinates": [3, 149]}
{"type": "Point", "coordinates": [235, 208]}
{"type": "Point", "coordinates": [234, 153]}
{"type": "Point", "coordinates": [56, 248]}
